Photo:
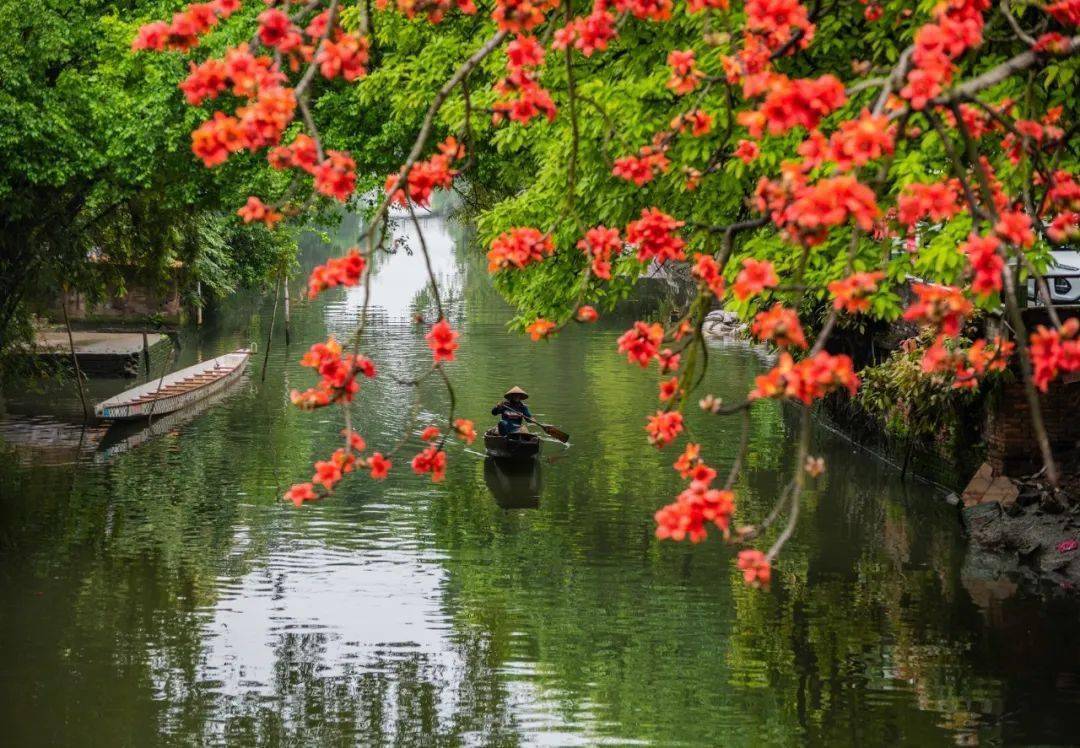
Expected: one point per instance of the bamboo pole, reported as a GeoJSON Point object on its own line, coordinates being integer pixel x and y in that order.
{"type": "Point", "coordinates": [270, 334]}
{"type": "Point", "coordinates": [288, 316]}
{"type": "Point", "coordinates": [74, 356]}
{"type": "Point", "coordinates": [198, 306]}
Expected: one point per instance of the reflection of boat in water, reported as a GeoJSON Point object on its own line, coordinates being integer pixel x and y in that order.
{"type": "Point", "coordinates": [123, 436]}
{"type": "Point", "coordinates": [520, 446]}
{"type": "Point", "coordinates": [514, 484]}
{"type": "Point", "coordinates": [177, 390]}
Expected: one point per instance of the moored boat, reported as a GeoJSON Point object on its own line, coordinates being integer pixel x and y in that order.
{"type": "Point", "coordinates": [519, 446]}
{"type": "Point", "coordinates": [176, 390]}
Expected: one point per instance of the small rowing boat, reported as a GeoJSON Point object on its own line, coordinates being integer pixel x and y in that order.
{"type": "Point", "coordinates": [519, 446]}
{"type": "Point", "coordinates": [175, 391]}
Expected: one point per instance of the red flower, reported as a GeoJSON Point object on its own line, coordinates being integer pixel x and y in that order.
{"type": "Point", "coordinates": [860, 141]}
{"type": "Point", "coordinates": [654, 236]}
{"type": "Point", "coordinates": [697, 121]}
{"type": "Point", "coordinates": [300, 493]}
{"type": "Point", "coordinates": [346, 56]}
{"type": "Point", "coordinates": [643, 168]}
{"type": "Point", "coordinates": [356, 442]}
{"type": "Point", "coordinates": [336, 175]}
{"type": "Point", "coordinates": [425, 176]}
{"type": "Point", "coordinates": [668, 361]}
{"type": "Point", "coordinates": [641, 343]}
{"type": "Point", "coordinates": [540, 329]}
{"type": "Point", "coordinates": [688, 459]}
{"type": "Point", "coordinates": [256, 210]}
{"type": "Point", "coordinates": [517, 248]}
{"type": "Point", "coordinates": [942, 306]}
{"type": "Point", "coordinates": [442, 340]}
{"type": "Point", "coordinates": [600, 244]}
{"type": "Point", "coordinates": [755, 568]}
{"type": "Point", "coordinates": [707, 270]}
{"type": "Point", "coordinates": [852, 294]}
{"type": "Point", "coordinates": [338, 271]}
{"type": "Point", "coordinates": [780, 325]}
{"type": "Point", "coordinates": [685, 75]}
{"type": "Point", "coordinates": [692, 509]}
{"type": "Point", "coordinates": [663, 427]}
{"type": "Point", "coordinates": [747, 150]}
{"type": "Point", "coordinates": [1014, 227]}
{"type": "Point", "coordinates": [379, 466]}
{"type": "Point", "coordinates": [808, 380]}
{"type": "Point", "coordinates": [986, 264]}
{"type": "Point", "coordinates": [430, 433]}
{"type": "Point", "coordinates": [327, 473]}
{"type": "Point", "coordinates": [587, 314]}
{"type": "Point", "coordinates": [431, 460]}
{"type": "Point", "coordinates": [587, 34]}
{"type": "Point", "coordinates": [465, 429]}
{"type": "Point", "coordinates": [755, 277]}
{"type": "Point", "coordinates": [1053, 351]}
{"type": "Point", "coordinates": [939, 201]}
{"type": "Point", "coordinates": [669, 388]}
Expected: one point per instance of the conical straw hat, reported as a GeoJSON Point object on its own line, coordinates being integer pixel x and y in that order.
{"type": "Point", "coordinates": [517, 391]}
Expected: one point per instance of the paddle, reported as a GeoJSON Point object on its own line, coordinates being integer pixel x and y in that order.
{"type": "Point", "coordinates": [549, 430]}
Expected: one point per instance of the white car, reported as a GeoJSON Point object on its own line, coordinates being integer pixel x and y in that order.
{"type": "Point", "coordinates": [1062, 278]}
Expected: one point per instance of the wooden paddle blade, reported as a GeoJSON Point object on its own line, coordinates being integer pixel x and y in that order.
{"type": "Point", "coordinates": [555, 433]}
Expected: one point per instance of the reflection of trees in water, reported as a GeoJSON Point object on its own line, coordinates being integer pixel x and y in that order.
{"type": "Point", "coordinates": [401, 697]}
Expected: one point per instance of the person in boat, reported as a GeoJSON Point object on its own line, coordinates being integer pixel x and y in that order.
{"type": "Point", "coordinates": [512, 412]}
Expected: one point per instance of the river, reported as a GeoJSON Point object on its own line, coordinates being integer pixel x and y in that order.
{"type": "Point", "coordinates": [161, 592]}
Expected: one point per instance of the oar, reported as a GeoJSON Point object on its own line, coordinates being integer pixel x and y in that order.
{"type": "Point", "coordinates": [549, 430]}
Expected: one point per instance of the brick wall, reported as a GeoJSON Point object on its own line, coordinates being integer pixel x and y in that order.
{"type": "Point", "coordinates": [1010, 438]}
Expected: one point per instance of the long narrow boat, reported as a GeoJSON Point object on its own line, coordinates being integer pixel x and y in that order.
{"type": "Point", "coordinates": [175, 391]}
{"type": "Point", "coordinates": [520, 446]}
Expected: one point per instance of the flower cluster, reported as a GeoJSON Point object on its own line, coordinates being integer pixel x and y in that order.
{"type": "Point", "coordinates": [707, 271]}
{"type": "Point", "coordinates": [986, 263]}
{"type": "Point", "coordinates": [755, 277]}
{"type": "Point", "coordinates": [780, 324]}
{"type": "Point", "coordinates": [642, 168]}
{"type": "Point", "coordinates": [755, 567]}
{"type": "Point", "coordinates": [1064, 196]}
{"type": "Point", "coordinates": [338, 271]}
{"type": "Point", "coordinates": [807, 380]}
{"type": "Point", "coordinates": [337, 375]}
{"type": "Point", "coordinates": [663, 427]}
{"type": "Point", "coordinates": [520, 95]}
{"type": "Point", "coordinates": [654, 236]}
{"type": "Point", "coordinates": [793, 102]}
{"type": "Point", "coordinates": [777, 22]}
{"type": "Point", "coordinates": [425, 176]}
{"type": "Point", "coordinates": [434, 10]}
{"type": "Point", "coordinates": [442, 340]}
{"type": "Point", "coordinates": [685, 74]}
{"type": "Point", "coordinates": [859, 141]}
{"type": "Point", "coordinates": [255, 210]}
{"type": "Point", "coordinates": [852, 294]}
{"type": "Point", "coordinates": [431, 460]}
{"type": "Point", "coordinates": [969, 365]}
{"type": "Point", "coordinates": [957, 26]}
{"type": "Point", "coordinates": [600, 244]}
{"type": "Point", "coordinates": [698, 122]}
{"type": "Point", "coordinates": [517, 248]}
{"type": "Point", "coordinates": [335, 176]}
{"type": "Point", "coordinates": [1054, 351]}
{"type": "Point", "coordinates": [804, 213]}
{"type": "Point", "coordinates": [944, 307]}
{"type": "Point", "coordinates": [186, 27]}
{"type": "Point", "coordinates": [641, 343]}
{"type": "Point", "coordinates": [698, 505]}
{"type": "Point", "coordinates": [541, 328]}
{"type": "Point", "coordinates": [521, 15]}
{"type": "Point", "coordinates": [938, 201]}
{"type": "Point", "coordinates": [589, 33]}
{"type": "Point", "coordinates": [301, 154]}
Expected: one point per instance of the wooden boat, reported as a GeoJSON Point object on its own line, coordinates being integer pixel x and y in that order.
{"type": "Point", "coordinates": [520, 446]}
{"type": "Point", "coordinates": [175, 391]}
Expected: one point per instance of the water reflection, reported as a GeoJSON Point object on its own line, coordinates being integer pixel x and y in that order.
{"type": "Point", "coordinates": [167, 595]}
{"type": "Point", "coordinates": [515, 484]}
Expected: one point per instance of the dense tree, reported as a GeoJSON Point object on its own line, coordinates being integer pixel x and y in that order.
{"type": "Point", "coordinates": [811, 163]}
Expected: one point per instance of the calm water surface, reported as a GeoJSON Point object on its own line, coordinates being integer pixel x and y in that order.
{"type": "Point", "coordinates": [158, 591]}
